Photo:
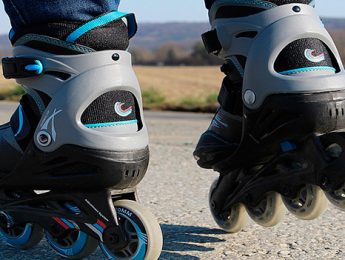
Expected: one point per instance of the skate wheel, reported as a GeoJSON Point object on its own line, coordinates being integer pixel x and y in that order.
{"type": "Point", "coordinates": [145, 240]}
{"type": "Point", "coordinates": [235, 220]}
{"type": "Point", "coordinates": [23, 236]}
{"type": "Point", "coordinates": [269, 212]}
{"type": "Point", "coordinates": [310, 203]}
{"type": "Point", "coordinates": [337, 197]}
{"type": "Point", "coordinates": [71, 243]}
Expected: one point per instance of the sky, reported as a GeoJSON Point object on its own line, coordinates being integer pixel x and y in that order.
{"type": "Point", "coordinates": [183, 10]}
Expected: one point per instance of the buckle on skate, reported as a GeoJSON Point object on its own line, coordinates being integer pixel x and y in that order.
{"type": "Point", "coordinates": [14, 68]}
{"type": "Point", "coordinates": [211, 42]}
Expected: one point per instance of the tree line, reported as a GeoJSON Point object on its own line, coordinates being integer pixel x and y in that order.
{"type": "Point", "coordinates": [173, 54]}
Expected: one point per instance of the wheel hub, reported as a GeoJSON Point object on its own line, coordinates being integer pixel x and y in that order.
{"type": "Point", "coordinates": [115, 238]}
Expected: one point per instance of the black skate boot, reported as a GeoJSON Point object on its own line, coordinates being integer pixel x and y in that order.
{"type": "Point", "coordinates": [281, 101]}
{"type": "Point", "coordinates": [79, 133]}
{"type": "Point", "coordinates": [224, 133]}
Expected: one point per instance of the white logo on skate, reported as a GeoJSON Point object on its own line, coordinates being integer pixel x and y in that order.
{"type": "Point", "coordinates": [218, 123]}
{"type": "Point", "coordinates": [124, 211]}
{"type": "Point", "coordinates": [310, 55]}
{"type": "Point", "coordinates": [44, 136]}
{"type": "Point", "coordinates": [123, 112]}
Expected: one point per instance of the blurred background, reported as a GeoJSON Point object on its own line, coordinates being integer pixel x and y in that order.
{"type": "Point", "coordinates": [173, 68]}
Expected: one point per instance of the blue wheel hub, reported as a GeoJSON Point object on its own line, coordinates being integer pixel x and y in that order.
{"type": "Point", "coordinates": [137, 239]}
{"type": "Point", "coordinates": [12, 234]}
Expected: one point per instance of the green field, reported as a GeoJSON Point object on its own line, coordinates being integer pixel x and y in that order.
{"type": "Point", "coordinates": [175, 88]}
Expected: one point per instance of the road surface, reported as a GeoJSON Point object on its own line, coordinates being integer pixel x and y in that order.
{"type": "Point", "coordinates": [176, 190]}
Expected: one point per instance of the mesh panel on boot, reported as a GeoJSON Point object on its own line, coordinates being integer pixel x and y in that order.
{"type": "Point", "coordinates": [111, 107]}
{"type": "Point", "coordinates": [304, 53]}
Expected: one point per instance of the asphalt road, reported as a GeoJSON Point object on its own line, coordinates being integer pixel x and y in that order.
{"type": "Point", "coordinates": [176, 190]}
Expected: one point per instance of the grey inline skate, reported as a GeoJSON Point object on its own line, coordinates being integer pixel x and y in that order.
{"type": "Point", "coordinates": [277, 137]}
{"type": "Point", "coordinates": [79, 137]}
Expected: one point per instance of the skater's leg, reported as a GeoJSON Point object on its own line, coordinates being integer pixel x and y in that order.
{"type": "Point", "coordinates": [79, 132]}
{"type": "Point", "coordinates": [58, 19]}
{"type": "Point", "coordinates": [284, 85]}
{"type": "Point", "coordinates": [24, 13]}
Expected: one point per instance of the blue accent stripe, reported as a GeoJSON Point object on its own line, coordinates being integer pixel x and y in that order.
{"type": "Point", "coordinates": [308, 69]}
{"type": "Point", "coordinates": [73, 208]}
{"type": "Point", "coordinates": [112, 124]}
{"type": "Point", "coordinates": [21, 120]}
{"type": "Point", "coordinates": [69, 224]}
{"type": "Point", "coordinates": [99, 228]}
{"type": "Point", "coordinates": [100, 21]}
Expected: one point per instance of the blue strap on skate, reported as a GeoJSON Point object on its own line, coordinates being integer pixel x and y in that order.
{"type": "Point", "coordinates": [21, 120]}
{"type": "Point", "coordinates": [103, 20]}
{"type": "Point", "coordinates": [287, 147]}
{"type": "Point", "coordinates": [37, 67]}
{"type": "Point", "coordinates": [11, 34]}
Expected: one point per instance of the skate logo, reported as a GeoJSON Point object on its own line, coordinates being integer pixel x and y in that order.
{"type": "Point", "coordinates": [45, 134]}
{"type": "Point", "coordinates": [124, 211]}
{"type": "Point", "coordinates": [121, 111]}
{"type": "Point", "coordinates": [95, 209]}
{"type": "Point", "coordinates": [218, 123]}
{"type": "Point", "coordinates": [311, 56]}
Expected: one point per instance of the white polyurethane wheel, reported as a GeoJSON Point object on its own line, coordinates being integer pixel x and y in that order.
{"type": "Point", "coordinates": [310, 203]}
{"type": "Point", "coordinates": [143, 231]}
{"type": "Point", "coordinates": [337, 197]}
{"type": "Point", "coordinates": [236, 219]}
{"type": "Point", "coordinates": [269, 212]}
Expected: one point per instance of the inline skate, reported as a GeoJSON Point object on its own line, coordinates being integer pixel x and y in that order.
{"type": "Point", "coordinates": [77, 146]}
{"type": "Point", "coordinates": [277, 138]}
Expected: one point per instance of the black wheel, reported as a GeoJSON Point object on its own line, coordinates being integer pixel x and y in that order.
{"type": "Point", "coordinates": [69, 242]}
{"type": "Point", "coordinates": [21, 236]}
{"type": "Point", "coordinates": [144, 234]}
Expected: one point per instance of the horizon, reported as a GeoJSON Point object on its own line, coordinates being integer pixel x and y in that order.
{"type": "Point", "coordinates": [146, 14]}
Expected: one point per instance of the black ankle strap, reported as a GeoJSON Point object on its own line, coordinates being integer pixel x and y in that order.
{"type": "Point", "coordinates": [14, 68]}
{"type": "Point", "coordinates": [211, 42]}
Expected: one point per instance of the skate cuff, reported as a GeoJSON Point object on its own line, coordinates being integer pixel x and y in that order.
{"type": "Point", "coordinates": [14, 68]}
{"type": "Point", "coordinates": [103, 20]}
